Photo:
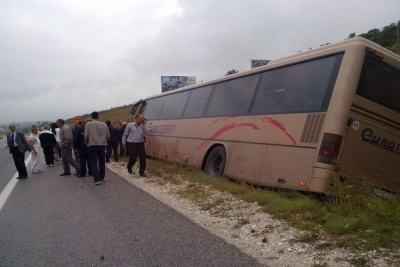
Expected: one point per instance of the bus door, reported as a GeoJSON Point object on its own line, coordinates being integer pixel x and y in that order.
{"type": "Point", "coordinates": [371, 156]}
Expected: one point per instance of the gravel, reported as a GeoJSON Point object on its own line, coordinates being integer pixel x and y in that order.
{"type": "Point", "coordinates": [270, 241]}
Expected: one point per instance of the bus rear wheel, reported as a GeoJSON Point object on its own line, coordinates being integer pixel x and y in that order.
{"type": "Point", "coordinates": [216, 160]}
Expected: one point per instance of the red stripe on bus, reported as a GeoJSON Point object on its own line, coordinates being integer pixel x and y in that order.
{"type": "Point", "coordinates": [280, 126]}
{"type": "Point", "coordinates": [224, 129]}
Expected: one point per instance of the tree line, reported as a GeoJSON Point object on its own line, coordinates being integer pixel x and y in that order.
{"type": "Point", "coordinates": [387, 37]}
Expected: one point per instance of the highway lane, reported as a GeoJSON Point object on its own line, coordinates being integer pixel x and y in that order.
{"type": "Point", "coordinates": [50, 220]}
{"type": "Point", "coordinates": [7, 167]}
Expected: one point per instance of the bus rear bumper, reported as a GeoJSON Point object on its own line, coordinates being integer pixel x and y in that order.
{"type": "Point", "coordinates": [321, 180]}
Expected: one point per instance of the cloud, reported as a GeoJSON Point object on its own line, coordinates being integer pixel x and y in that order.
{"type": "Point", "coordinates": [65, 58]}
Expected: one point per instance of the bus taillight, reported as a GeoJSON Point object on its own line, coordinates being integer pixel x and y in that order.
{"type": "Point", "coordinates": [330, 148]}
{"type": "Point", "coordinates": [374, 52]}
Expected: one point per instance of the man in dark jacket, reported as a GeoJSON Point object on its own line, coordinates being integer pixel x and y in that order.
{"type": "Point", "coordinates": [80, 146]}
{"type": "Point", "coordinates": [74, 132]}
{"type": "Point", "coordinates": [18, 145]}
{"type": "Point", "coordinates": [112, 143]}
{"type": "Point", "coordinates": [48, 142]}
{"type": "Point", "coordinates": [120, 133]}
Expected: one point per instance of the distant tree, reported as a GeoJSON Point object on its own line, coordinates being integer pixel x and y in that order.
{"type": "Point", "coordinates": [231, 72]}
{"type": "Point", "coordinates": [386, 37]}
{"type": "Point", "coordinates": [352, 35]}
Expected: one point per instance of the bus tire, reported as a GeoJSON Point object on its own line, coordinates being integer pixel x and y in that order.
{"type": "Point", "coordinates": [215, 163]}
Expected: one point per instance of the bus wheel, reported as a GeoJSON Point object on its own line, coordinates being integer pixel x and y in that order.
{"type": "Point", "coordinates": [216, 160]}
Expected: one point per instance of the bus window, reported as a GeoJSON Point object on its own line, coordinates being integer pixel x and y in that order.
{"type": "Point", "coordinates": [173, 105]}
{"type": "Point", "coordinates": [232, 98]}
{"type": "Point", "coordinates": [197, 102]}
{"type": "Point", "coordinates": [304, 87]}
{"type": "Point", "coordinates": [380, 83]}
{"type": "Point", "coordinates": [153, 108]}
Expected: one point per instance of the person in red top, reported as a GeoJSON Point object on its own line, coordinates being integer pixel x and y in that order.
{"type": "Point", "coordinates": [118, 125]}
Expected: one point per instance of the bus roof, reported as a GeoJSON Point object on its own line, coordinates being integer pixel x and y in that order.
{"type": "Point", "coordinates": [288, 60]}
{"type": "Point", "coordinates": [341, 43]}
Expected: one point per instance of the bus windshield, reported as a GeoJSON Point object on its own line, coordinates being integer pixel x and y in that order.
{"type": "Point", "coordinates": [380, 83]}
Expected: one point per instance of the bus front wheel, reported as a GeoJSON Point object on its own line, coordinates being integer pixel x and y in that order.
{"type": "Point", "coordinates": [216, 160]}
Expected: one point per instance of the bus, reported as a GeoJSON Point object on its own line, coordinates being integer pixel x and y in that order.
{"type": "Point", "coordinates": [296, 123]}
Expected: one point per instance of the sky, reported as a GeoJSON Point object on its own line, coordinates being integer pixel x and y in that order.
{"type": "Point", "coordinates": [63, 58]}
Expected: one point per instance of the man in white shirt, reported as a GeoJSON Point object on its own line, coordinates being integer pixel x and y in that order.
{"type": "Point", "coordinates": [134, 139]}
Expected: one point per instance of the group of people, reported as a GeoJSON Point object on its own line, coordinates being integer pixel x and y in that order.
{"type": "Point", "coordinates": [93, 143]}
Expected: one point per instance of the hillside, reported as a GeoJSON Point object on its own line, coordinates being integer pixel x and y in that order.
{"type": "Point", "coordinates": [113, 115]}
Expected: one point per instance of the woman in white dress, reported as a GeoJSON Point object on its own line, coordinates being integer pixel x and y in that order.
{"type": "Point", "coordinates": [34, 143]}
{"type": "Point", "coordinates": [57, 152]}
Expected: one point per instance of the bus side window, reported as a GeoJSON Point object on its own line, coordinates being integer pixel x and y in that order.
{"type": "Point", "coordinates": [197, 102]}
{"type": "Point", "coordinates": [229, 96]}
{"type": "Point", "coordinates": [295, 88]}
{"type": "Point", "coordinates": [153, 108]}
{"type": "Point", "coordinates": [269, 98]}
{"type": "Point", "coordinates": [173, 105]}
{"type": "Point", "coordinates": [303, 87]}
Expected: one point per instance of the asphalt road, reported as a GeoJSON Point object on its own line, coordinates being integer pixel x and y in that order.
{"type": "Point", "coordinates": [50, 220]}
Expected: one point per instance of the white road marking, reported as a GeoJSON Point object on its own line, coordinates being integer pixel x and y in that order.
{"type": "Point", "coordinates": [10, 186]}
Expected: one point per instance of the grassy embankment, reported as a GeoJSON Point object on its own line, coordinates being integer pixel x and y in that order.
{"type": "Point", "coordinates": [358, 222]}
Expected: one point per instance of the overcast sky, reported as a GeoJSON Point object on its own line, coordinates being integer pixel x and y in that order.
{"type": "Point", "coordinates": [59, 59]}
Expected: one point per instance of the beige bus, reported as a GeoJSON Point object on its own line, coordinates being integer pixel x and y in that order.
{"type": "Point", "coordinates": [291, 124]}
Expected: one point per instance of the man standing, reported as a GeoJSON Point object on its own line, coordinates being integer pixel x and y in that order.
{"type": "Point", "coordinates": [48, 142]}
{"type": "Point", "coordinates": [120, 133]}
{"type": "Point", "coordinates": [133, 138]}
{"type": "Point", "coordinates": [18, 145]}
{"type": "Point", "coordinates": [96, 136]}
{"type": "Point", "coordinates": [66, 149]}
{"type": "Point", "coordinates": [74, 131]}
{"type": "Point", "coordinates": [112, 143]}
{"type": "Point", "coordinates": [83, 150]}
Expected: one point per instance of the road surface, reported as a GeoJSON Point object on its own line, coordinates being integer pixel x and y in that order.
{"type": "Point", "coordinates": [48, 220]}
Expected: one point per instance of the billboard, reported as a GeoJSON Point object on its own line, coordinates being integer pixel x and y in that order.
{"type": "Point", "coordinates": [169, 83]}
{"type": "Point", "coordinates": [255, 63]}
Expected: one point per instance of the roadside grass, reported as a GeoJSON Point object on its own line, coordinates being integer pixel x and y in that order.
{"type": "Point", "coordinates": [113, 115]}
{"type": "Point", "coordinates": [364, 223]}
